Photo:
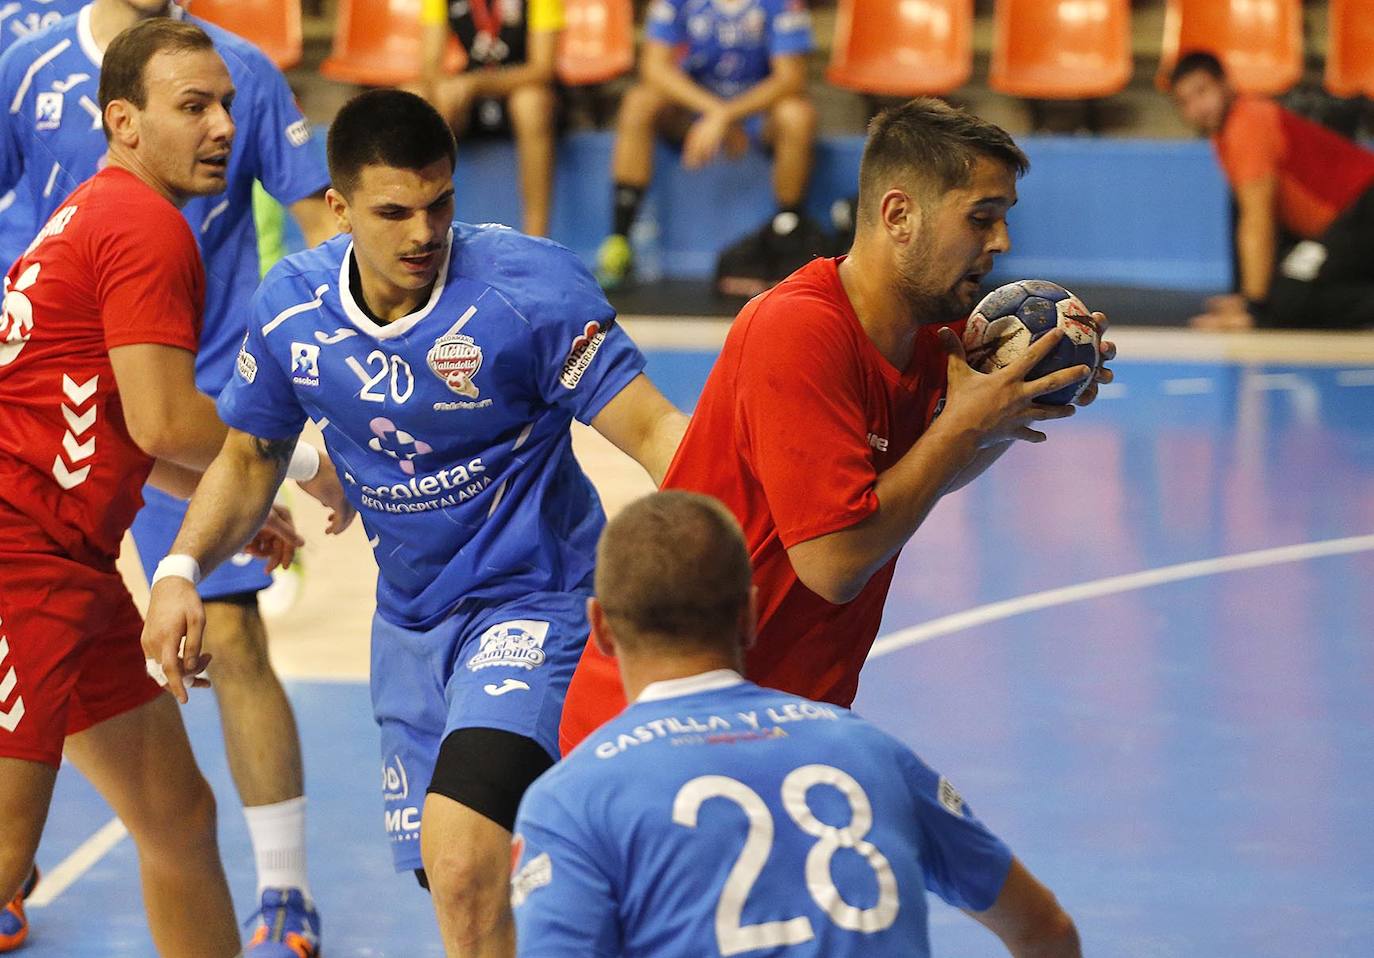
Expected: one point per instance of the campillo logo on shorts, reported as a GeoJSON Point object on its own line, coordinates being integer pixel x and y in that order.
{"type": "Point", "coordinates": [516, 644]}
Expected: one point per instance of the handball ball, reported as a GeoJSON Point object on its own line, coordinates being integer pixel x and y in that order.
{"type": "Point", "coordinates": [1013, 316]}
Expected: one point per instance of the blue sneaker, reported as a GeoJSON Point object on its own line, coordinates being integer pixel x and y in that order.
{"type": "Point", "coordinates": [287, 927]}
{"type": "Point", "coordinates": [14, 926]}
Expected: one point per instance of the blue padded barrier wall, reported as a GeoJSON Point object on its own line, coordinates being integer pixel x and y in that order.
{"type": "Point", "coordinates": [1140, 213]}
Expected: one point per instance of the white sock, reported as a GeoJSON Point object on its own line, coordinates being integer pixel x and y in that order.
{"type": "Point", "coordinates": [278, 835]}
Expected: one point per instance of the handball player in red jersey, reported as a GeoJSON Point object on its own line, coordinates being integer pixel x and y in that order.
{"type": "Point", "coordinates": [97, 346]}
{"type": "Point", "coordinates": [842, 408]}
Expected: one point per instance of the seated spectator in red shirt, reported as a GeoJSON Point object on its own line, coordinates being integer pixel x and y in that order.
{"type": "Point", "coordinates": [1305, 201]}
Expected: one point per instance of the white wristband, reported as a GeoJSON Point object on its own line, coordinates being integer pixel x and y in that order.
{"type": "Point", "coordinates": [305, 463]}
{"type": "Point", "coordinates": [179, 566]}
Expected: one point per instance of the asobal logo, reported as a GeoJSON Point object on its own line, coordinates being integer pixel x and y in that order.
{"type": "Point", "coordinates": [395, 784]}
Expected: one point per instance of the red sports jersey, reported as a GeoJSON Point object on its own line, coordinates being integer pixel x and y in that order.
{"type": "Point", "coordinates": [799, 416]}
{"type": "Point", "coordinates": [115, 266]}
{"type": "Point", "coordinates": [1319, 172]}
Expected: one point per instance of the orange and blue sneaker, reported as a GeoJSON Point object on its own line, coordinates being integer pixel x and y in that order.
{"type": "Point", "coordinates": [14, 926]}
{"type": "Point", "coordinates": [288, 927]}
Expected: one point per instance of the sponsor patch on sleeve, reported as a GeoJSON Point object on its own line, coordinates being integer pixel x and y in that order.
{"type": "Point", "coordinates": [247, 366]}
{"type": "Point", "coordinates": [950, 798]}
{"type": "Point", "coordinates": [583, 350]}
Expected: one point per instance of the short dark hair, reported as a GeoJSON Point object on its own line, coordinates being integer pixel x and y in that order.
{"type": "Point", "coordinates": [126, 59]}
{"type": "Point", "coordinates": [1203, 61]}
{"type": "Point", "coordinates": [386, 128]}
{"type": "Point", "coordinates": [672, 571]}
{"type": "Point", "coordinates": [929, 139]}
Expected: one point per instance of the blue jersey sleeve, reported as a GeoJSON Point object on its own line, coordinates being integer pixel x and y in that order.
{"type": "Point", "coordinates": [564, 903]}
{"type": "Point", "coordinates": [665, 24]}
{"type": "Point", "coordinates": [259, 399]}
{"type": "Point", "coordinates": [789, 28]}
{"type": "Point", "coordinates": [582, 358]}
{"type": "Point", "coordinates": [288, 165]}
{"type": "Point", "coordinates": [11, 117]}
{"type": "Point", "coordinates": [964, 863]}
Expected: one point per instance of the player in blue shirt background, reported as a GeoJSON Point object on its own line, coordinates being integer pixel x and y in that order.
{"type": "Point", "coordinates": [715, 817]}
{"type": "Point", "coordinates": [713, 76]}
{"type": "Point", "coordinates": [23, 18]}
{"type": "Point", "coordinates": [444, 363]}
{"type": "Point", "coordinates": [50, 141]}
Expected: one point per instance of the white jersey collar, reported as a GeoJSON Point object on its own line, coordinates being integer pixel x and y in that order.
{"type": "Point", "coordinates": [691, 685]}
{"type": "Point", "coordinates": [398, 327]}
{"type": "Point", "coordinates": [87, 39]}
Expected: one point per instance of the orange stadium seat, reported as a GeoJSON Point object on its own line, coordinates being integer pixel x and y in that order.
{"type": "Point", "coordinates": [378, 43]}
{"type": "Point", "coordinates": [1350, 59]}
{"type": "Point", "coordinates": [598, 41]}
{"type": "Point", "coordinates": [1061, 49]}
{"type": "Point", "coordinates": [902, 47]}
{"type": "Point", "coordinates": [274, 26]}
{"type": "Point", "coordinates": [1259, 41]}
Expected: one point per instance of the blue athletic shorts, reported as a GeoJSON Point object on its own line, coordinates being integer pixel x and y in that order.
{"type": "Point", "coordinates": [156, 527]}
{"type": "Point", "coordinates": [491, 664]}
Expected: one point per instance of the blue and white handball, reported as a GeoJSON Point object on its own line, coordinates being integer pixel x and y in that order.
{"type": "Point", "coordinates": [1013, 316]}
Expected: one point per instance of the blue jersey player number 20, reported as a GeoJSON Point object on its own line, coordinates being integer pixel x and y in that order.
{"type": "Point", "coordinates": [444, 364]}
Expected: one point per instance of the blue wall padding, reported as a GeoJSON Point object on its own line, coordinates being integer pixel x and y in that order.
{"type": "Point", "coordinates": [1147, 213]}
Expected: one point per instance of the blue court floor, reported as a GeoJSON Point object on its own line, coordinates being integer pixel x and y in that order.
{"type": "Point", "coordinates": [1144, 652]}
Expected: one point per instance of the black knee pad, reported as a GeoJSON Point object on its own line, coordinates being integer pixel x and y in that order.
{"type": "Point", "coordinates": [488, 770]}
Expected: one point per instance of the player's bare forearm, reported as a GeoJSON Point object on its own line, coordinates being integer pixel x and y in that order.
{"type": "Point", "coordinates": [660, 71]}
{"type": "Point", "coordinates": [1256, 236]}
{"type": "Point", "coordinates": [233, 498]}
{"type": "Point", "coordinates": [981, 463]}
{"type": "Point", "coordinates": [837, 566]}
{"type": "Point", "coordinates": [1255, 244]}
{"type": "Point", "coordinates": [173, 479]}
{"type": "Point", "coordinates": [788, 78]}
{"type": "Point", "coordinates": [644, 425]}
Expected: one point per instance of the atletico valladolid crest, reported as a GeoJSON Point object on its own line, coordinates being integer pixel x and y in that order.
{"type": "Point", "coordinates": [456, 359]}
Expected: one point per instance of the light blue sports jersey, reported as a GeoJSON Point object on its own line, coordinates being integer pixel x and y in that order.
{"type": "Point", "coordinates": [24, 18]}
{"type": "Point", "coordinates": [51, 141]}
{"type": "Point", "coordinates": [728, 43]}
{"type": "Point", "coordinates": [714, 817]}
{"type": "Point", "coordinates": [450, 426]}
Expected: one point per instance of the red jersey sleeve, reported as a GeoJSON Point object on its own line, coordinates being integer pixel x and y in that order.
{"type": "Point", "coordinates": [802, 419]}
{"type": "Point", "coordinates": [1251, 142]}
{"type": "Point", "coordinates": [150, 282]}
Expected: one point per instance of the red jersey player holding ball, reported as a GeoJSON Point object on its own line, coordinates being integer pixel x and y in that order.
{"type": "Point", "coordinates": [100, 328]}
{"type": "Point", "coordinates": [841, 408]}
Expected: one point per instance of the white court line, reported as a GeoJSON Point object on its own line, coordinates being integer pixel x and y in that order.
{"type": "Point", "coordinates": [1355, 377]}
{"type": "Point", "coordinates": [996, 611]}
{"type": "Point", "coordinates": [55, 882]}
{"type": "Point", "coordinates": [97, 846]}
{"type": "Point", "coordinates": [1187, 387]}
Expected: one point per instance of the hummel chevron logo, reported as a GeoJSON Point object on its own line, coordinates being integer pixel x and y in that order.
{"type": "Point", "coordinates": [76, 453]}
{"type": "Point", "coordinates": [78, 394]}
{"type": "Point", "coordinates": [81, 423]}
{"type": "Point", "coordinates": [11, 717]}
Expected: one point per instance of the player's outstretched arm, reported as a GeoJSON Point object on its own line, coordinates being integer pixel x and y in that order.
{"type": "Point", "coordinates": [644, 425]}
{"type": "Point", "coordinates": [1029, 920]}
{"type": "Point", "coordinates": [230, 505]}
{"type": "Point", "coordinates": [982, 412]}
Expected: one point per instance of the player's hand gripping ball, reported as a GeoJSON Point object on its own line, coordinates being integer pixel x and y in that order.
{"type": "Point", "coordinates": [1013, 316]}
